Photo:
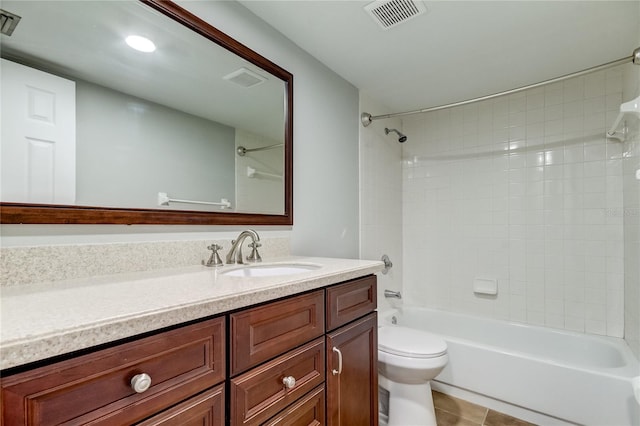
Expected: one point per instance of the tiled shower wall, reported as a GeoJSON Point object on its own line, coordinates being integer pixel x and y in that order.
{"type": "Point", "coordinates": [524, 189]}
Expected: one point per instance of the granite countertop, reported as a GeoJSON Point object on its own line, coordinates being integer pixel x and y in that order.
{"type": "Point", "coordinates": [39, 321]}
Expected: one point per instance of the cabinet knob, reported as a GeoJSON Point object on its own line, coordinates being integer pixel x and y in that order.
{"type": "Point", "coordinates": [141, 382]}
{"type": "Point", "coordinates": [289, 382]}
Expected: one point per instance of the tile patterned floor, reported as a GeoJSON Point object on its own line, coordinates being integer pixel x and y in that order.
{"type": "Point", "coordinates": [451, 411]}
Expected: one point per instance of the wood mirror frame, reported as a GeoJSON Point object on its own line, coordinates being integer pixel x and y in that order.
{"type": "Point", "coordinates": [17, 213]}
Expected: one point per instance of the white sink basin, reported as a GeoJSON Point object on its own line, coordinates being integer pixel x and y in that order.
{"type": "Point", "coordinates": [272, 270]}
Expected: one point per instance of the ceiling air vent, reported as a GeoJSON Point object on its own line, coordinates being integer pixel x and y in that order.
{"type": "Point", "coordinates": [389, 13]}
{"type": "Point", "coordinates": [245, 78]}
{"type": "Point", "coordinates": [8, 22]}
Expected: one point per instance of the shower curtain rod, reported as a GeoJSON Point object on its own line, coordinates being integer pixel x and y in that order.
{"type": "Point", "coordinates": [367, 118]}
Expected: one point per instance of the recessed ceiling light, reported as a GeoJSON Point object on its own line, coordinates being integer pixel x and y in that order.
{"type": "Point", "coordinates": [140, 43]}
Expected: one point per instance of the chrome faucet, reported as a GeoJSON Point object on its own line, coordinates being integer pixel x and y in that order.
{"type": "Point", "coordinates": [235, 252]}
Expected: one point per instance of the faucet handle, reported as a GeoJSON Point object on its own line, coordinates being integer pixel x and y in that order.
{"type": "Point", "coordinates": [254, 256]}
{"type": "Point", "coordinates": [214, 260]}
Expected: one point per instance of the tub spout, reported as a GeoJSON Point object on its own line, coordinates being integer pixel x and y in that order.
{"type": "Point", "coordinates": [392, 294]}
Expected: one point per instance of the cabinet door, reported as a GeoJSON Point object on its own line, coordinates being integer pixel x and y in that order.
{"type": "Point", "coordinates": [352, 374]}
{"type": "Point", "coordinates": [97, 388]}
{"type": "Point", "coordinates": [206, 409]}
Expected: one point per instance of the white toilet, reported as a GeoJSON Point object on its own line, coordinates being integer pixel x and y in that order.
{"type": "Point", "coordinates": [407, 360]}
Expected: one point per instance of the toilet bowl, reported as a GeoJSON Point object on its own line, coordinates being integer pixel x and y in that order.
{"type": "Point", "coordinates": [407, 360]}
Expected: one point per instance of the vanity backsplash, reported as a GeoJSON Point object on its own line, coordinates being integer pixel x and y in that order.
{"type": "Point", "coordinates": [26, 265]}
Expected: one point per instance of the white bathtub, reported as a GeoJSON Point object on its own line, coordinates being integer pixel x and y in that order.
{"type": "Point", "coordinates": [541, 373]}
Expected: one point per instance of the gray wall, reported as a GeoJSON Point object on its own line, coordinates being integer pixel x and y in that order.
{"type": "Point", "coordinates": [129, 149]}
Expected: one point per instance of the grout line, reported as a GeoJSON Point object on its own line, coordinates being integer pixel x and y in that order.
{"type": "Point", "coordinates": [484, 419]}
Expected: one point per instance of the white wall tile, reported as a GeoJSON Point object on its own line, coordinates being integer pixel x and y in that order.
{"type": "Point", "coordinates": [594, 85]}
{"type": "Point", "coordinates": [526, 189]}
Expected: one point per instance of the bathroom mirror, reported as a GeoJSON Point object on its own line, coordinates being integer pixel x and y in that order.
{"type": "Point", "coordinates": [197, 131]}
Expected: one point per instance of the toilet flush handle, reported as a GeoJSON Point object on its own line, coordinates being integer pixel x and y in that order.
{"type": "Point", "coordinates": [339, 370]}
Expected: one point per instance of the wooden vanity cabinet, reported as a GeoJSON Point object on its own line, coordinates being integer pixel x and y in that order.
{"type": "Point", "coordinates": [97, 388]}
{"type": "Point", "coordinates": [352, 354]}
{"type": "Point", "coordinates": [336, 373]}
{"type": "Point", "coordinates": [308, 359]}
{"type": "Point", "coordinates": [289, 335]}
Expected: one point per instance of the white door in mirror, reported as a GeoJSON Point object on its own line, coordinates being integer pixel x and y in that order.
{"type": "Point", "coordinates": [38, 136]}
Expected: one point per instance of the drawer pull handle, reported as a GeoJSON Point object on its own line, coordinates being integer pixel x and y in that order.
{"type": "Point", "coordinates": [289, 382]}
{"type": "Point", "coordinates": [339, 370]}
{"type": "Point", "coordinates": [140, 382]}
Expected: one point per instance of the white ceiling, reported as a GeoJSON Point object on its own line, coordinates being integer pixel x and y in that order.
{"type": "Point", "coordinates": [459, 49]}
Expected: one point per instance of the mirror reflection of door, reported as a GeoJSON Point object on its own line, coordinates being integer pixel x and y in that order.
{"type": "Point", "coordinates": [38, 136]}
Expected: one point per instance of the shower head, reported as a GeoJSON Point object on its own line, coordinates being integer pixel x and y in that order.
{"type": "Point", "coordinates": [401, 138]}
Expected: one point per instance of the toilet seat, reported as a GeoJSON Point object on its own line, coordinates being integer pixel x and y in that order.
{"type": "Point", "coordinates": [409, 342]}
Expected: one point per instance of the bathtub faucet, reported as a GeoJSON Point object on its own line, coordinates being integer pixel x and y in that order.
{"type": "Point", "coordinates": [392, 294]}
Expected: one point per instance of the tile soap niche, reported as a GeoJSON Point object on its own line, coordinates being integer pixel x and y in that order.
{"type": "Point", "coordinates": [485, 286]}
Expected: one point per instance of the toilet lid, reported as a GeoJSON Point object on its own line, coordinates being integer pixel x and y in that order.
{"type": "Point", "coordinates": [410, 342]}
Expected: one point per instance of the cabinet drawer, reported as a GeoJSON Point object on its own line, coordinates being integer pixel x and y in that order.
{"type": "Point", "coordinates": [349, 301]}
{"type": "Point", "coordinates": [96, 388]}
{"type": "Point", "coordinates": [263, 332]}
{"type": "Point", "coordinates": [260, 393]}
{"type": "Point", "coordinates": [204, 409]}
{"type": "Point", "coordinates": [309, 411]}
